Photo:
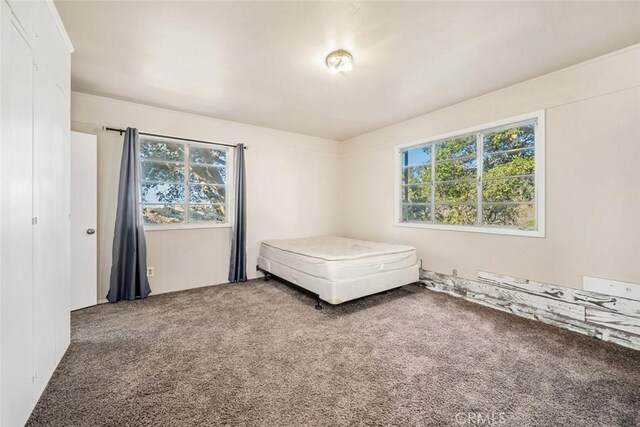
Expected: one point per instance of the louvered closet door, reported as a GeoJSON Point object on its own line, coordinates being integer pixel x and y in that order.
{"type": "Point", "coordinates": [16, 206]}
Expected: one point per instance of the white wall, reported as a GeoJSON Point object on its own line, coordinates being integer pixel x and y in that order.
{"type": "Point", "coordinates": [592, 178]}
{"type": "Point", "coordinates": [293, 190]}
{"type": "Point", "coordinates": [303, 186]}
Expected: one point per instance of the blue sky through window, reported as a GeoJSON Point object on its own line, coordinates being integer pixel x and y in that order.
{"type": "Point", "coordinates": [416, 156]}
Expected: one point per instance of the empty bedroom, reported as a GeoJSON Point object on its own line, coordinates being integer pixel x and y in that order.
{"type": "Point", "coordinates": [309, 213]}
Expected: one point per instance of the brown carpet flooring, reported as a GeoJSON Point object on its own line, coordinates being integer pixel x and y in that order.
{"type": "Point", "coordinates": [258, 354]}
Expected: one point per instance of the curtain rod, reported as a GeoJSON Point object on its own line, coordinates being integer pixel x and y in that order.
{"type": "Point", "coordinates": [157, 135]}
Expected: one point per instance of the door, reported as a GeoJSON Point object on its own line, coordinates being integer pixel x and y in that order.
{"type": "Point", "coordinates": [17, 223]}
{"type": "Point", "coordinates": [51, 231]}
{"type": "Point", "coordinates": [84, 244]}
{"type": "Point", "coordinates": [47, 243]}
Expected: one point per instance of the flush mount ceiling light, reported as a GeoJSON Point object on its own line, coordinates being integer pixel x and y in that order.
{"type": "Point", "coordinates": [339, 61]}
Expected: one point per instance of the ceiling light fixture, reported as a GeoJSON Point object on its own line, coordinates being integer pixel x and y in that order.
{"type": "Point", "coordinates": [339, 61]}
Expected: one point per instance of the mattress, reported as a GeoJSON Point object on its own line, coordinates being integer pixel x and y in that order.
{"type": "Point", "coordinates": [337, 258]}
{"type": "Point", "coordinates": [338, 292]}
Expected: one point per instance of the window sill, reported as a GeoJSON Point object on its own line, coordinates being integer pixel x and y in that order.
{"type": "Point", "coordinates": [167, 227]}
{"type": "Point", "coordinates": [473, 229]}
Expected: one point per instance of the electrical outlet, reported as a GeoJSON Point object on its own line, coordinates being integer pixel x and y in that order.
{"type": "Point", "coordinates": [151, 271]}
{"type": "Point", "coordinates": [455, 273]}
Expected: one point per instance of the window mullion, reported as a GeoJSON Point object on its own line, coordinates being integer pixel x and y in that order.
{"type": "Point", "coordinates": [229, 180]}
{"type": "Point", "coordinates": [479, 170]}
{"type": "Point", "coordinates": [139, 179]}
{"type": "Point", "coordinates": [404, 178]}
{"type": "Point", "coordinates": [187, 194]}
{"type": "Point", "coordinates": [433, 183]}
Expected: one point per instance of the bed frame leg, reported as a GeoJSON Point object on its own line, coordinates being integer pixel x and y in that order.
{"type": "Point", "coordinates": [266, 276]}
{"type": "Point", "coordinates": [318, 305]}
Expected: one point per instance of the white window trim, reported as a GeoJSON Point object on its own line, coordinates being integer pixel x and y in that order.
{"type": "Point", "coordinates": [539, 150]}
{"type": "Point", "coordinates": [229, 195]}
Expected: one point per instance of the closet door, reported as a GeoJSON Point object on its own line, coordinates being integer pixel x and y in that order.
{"type": "Point", "coordinates": [51, 233]}
{"type": "Point", "coordinates": [46, 246]}
{"type": "Point", "coordinates": [16, 204]}
{"type": "Point", "coordinates": [62, 224]}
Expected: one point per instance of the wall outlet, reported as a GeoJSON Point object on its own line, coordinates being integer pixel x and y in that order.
{"type": "Point", "coordinates": [455, 273]}
{"type": "Point", "coordinates": [151, 271]}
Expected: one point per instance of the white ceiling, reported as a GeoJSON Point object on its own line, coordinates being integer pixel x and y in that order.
{"type": "Point", "coordinates": [263, 62]}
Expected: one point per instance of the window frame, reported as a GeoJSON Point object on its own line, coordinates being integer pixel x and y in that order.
{"type": "Point", "coordinates": [539, 177]}
{"type": "Point", "coordinates": [229, 193]}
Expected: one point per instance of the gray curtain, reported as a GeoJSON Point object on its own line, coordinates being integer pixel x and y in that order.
{"type": "Point", "coordinates": [129, 268]}
{"type": "Point", "coordinates": [238, 264]}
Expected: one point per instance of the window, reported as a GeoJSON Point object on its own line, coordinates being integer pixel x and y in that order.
{"type": "Point", "coordinates": [487, 179]}
{"type": "Point", "coordinates": [182, 183]}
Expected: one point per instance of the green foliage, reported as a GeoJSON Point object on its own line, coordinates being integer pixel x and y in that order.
{"type": "Point", "coordinates": [200, 213]}
{"type": "Point", "coordinates": [417, 194]}
{"type": "Point", "coordinates": [166, 214]}
{"type": "Point", "coordinates": [206, 193]}
{"type": "Point", "coordinates": [456, 214]}
{"type": "Point", "coordinates": [509, 164]}
{"type": "Point", "coordinates": [207, 156]}
{"type": "Point", "coordinates": [509, 215]}
{"type": "Point", "coordinates": [166, 172]}
{"type": "Point", "coordinates": [456, 192]}
{"type": "Point", "coordinates": [417, 213]}
{"type": "Point", "coordinates": [505, 189]}
{"type": "Point", "coordinates": [456, 148]}
{"type": "Point", "coordinates": [163, 182]}
{"type": "Point", "coordinates": [451, 170]}
{"type": "Point", "coordinates": [509, 139]}
{"type": "Point", "coordinates": [162, 193]}
{"type": "Point", "coordinates": [161, 150]}
{"type": "Point", "coordinates": [518, 189]}
{"type": "Point", "coordinates": [508, 168]}
{"type": "Point", "coordinates": [417, 174]}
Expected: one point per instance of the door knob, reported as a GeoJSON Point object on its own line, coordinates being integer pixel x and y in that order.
{"type": "Point", "coordinates": [91, 231]}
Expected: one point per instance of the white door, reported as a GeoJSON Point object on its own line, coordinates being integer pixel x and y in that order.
{"type": "Point", "coordinates": [84, 244]}
{"type": "Point", "coordinates": [16, 223]}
